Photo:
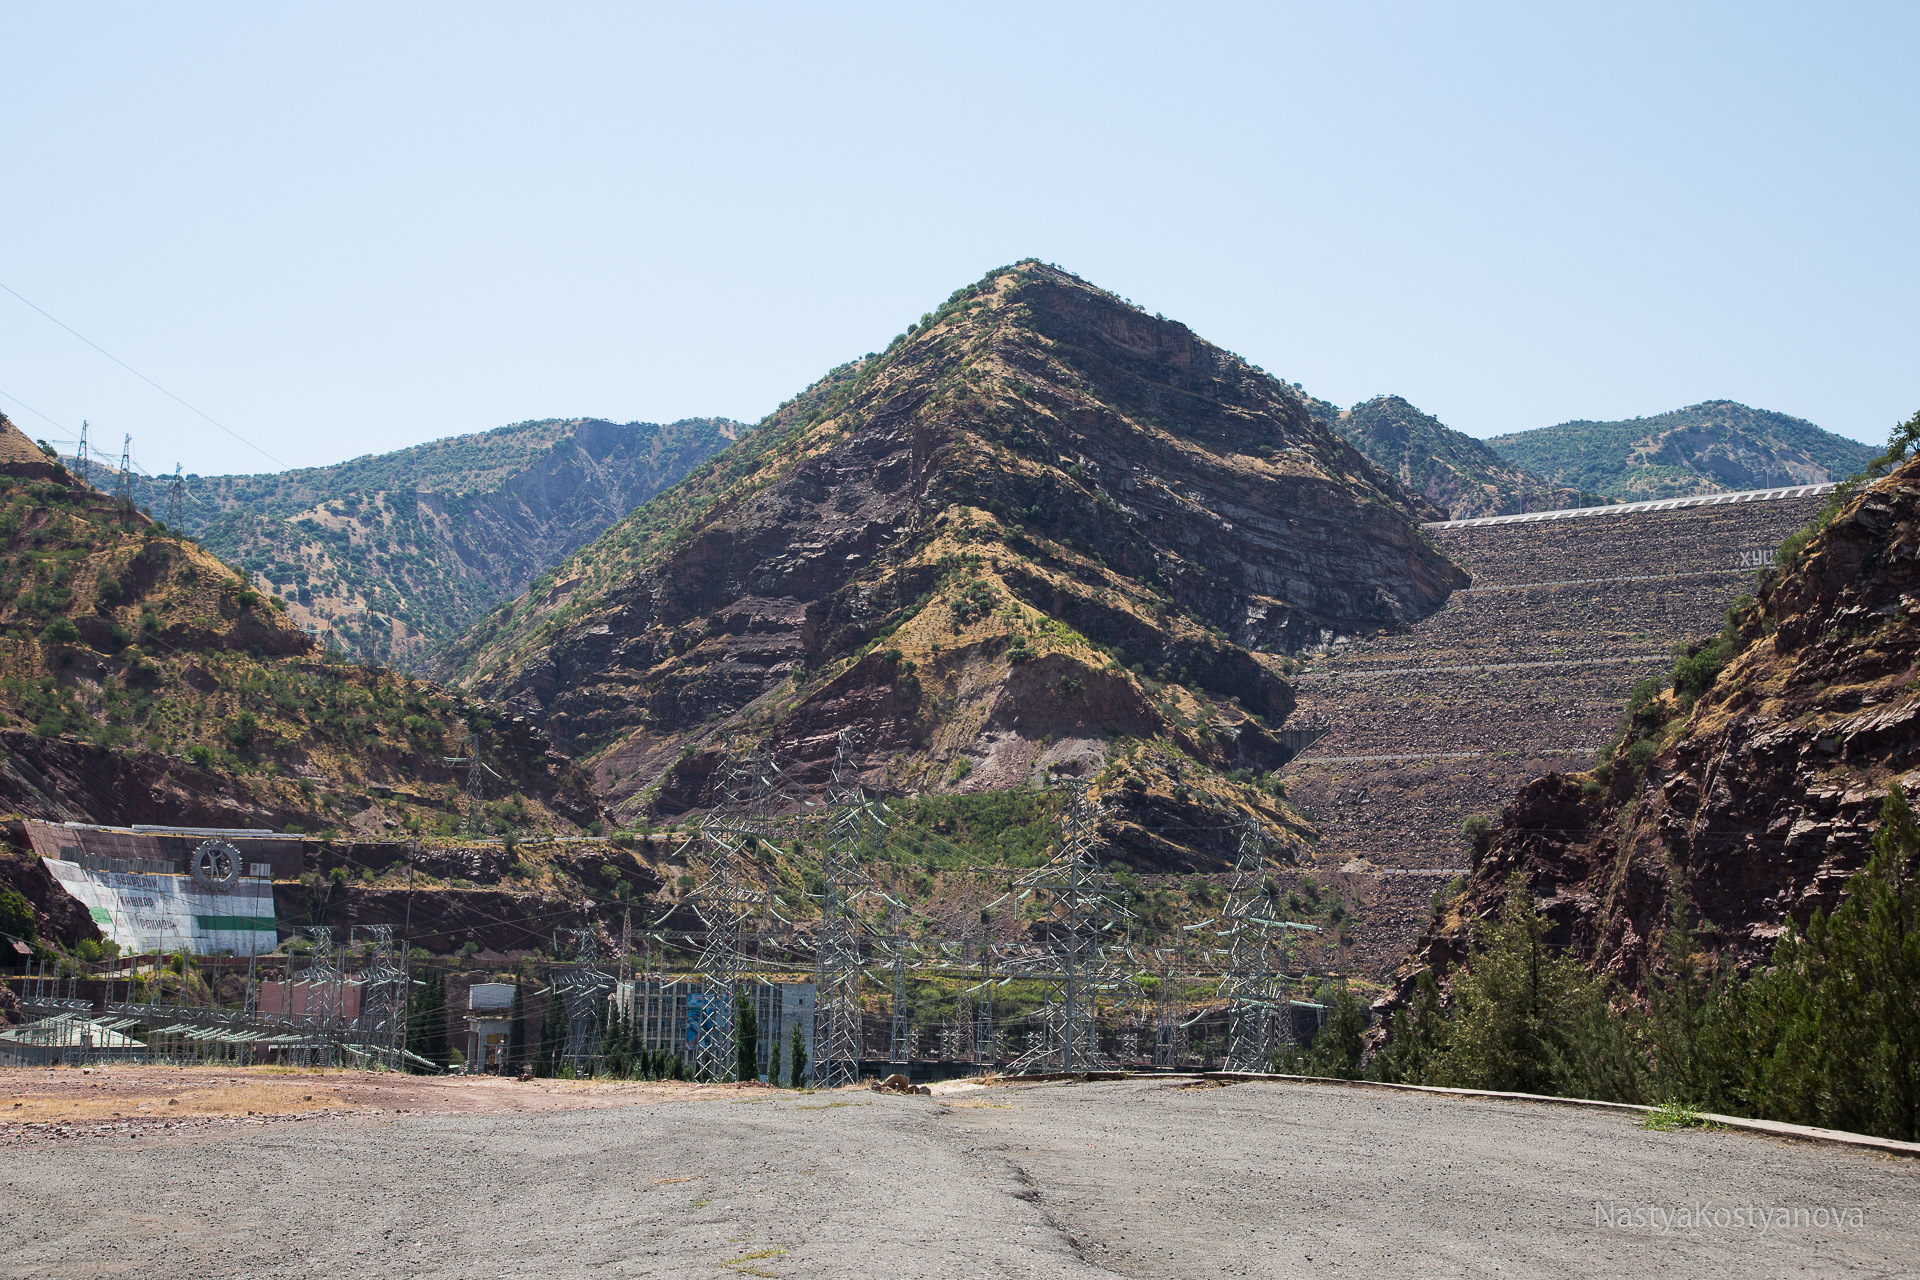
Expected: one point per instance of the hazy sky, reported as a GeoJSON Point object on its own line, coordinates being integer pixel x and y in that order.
{"type": "Point", "coordinates": [341, 229]}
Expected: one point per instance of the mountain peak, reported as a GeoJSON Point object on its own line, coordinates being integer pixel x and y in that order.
{"type": "Point", "coordinates": [1041, 524]}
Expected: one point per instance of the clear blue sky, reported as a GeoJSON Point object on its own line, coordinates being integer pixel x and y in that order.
{"type": "Point", "coordinates": [340, 229]}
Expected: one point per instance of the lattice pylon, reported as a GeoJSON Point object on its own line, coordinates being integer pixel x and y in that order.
{"type": "Point", "coordinates": [724, 900]}
{"type": "Point", "coordinates": [1072, 889]}
{"type": "Point", "coordinates": [383, 1002]}
{"type": "Point", "coordinates": [1254, 940]}
{"type": "Point", "coordinates": [836, 1010]}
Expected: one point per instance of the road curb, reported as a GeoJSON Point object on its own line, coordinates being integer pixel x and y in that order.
{"type": "Point", "coordinates": [1770, 1128]}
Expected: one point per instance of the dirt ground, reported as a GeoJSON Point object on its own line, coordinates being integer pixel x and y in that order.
{"type": "Point", "coordinates": [1139, 1178]}
{"type": "Point", "coordinates": [64, 1102]}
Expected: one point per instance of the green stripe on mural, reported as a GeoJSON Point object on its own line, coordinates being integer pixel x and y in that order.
{"type": "Point", "coordinates": [258, 924]}
{"type": "Point", "coordinates": [100, 915]}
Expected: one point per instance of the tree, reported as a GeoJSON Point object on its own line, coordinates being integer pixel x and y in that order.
{"type": "Point", "coordinates": [1510, 1031]}
{"type": "Point", "coordinates": [616, 1047]}
{"type": "Point", "coordinates": [1830, 1035]}
{"type": "Point", "coordinates": [60, 631]}
{"type": "Point", "coordinates": [1418, 1038]}
{"type": "Point", "coordinates": [797, 1060]}
{"type": "Point", "coordinates": [773, 1063]}
{"type": "Point", "coordinates": [1337, 1047]}
{"type": "Point", "coordinates": [553, 1036]}
{"type": "Point", "coordinates": [746, 1034]}
{"type": "Point", "coordinates": [16, 915]}
{"type": "Point", "coordinates": [427, 1021]}
{"type": "Point", "coordinates": [517, 1031]}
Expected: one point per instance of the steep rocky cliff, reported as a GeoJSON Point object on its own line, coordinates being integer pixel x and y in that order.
{"type": "Point", "coordinates": [1040, 522]}
{"type": "Point", "coordinates": [1451, 470]}
{"type": "Point", "coordinates": [142, 680]}
{"type": "Point", "coordinates": [1752, 776]}
{"type": "Point", "coordinates": [394, 555]}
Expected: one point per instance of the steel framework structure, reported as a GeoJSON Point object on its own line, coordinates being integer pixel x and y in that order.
{"type": "Point", "coordinates": [1073, 891]}
{"type": "Point", "coordinates": [1254, 984]}
{"type": "Point", "coordinates": [382, 1024]}
{"type": "Point", "coordinates": [836, 1010]}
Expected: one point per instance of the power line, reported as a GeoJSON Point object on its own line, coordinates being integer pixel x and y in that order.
{"type": "Point", "coordinates": [29, 408]}
{"type": "Point", "coordinates": [144, 378]}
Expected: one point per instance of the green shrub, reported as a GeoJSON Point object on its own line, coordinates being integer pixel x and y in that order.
{"type": "Point", "coordinates": [60, 631]}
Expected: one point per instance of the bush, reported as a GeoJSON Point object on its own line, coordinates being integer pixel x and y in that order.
{"type": "Point", "coordinates": [16, 915]}
{"type": "Point", "coordinates": [60, 631]}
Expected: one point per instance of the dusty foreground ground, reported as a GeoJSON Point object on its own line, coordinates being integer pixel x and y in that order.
{"type": "Point", "coordinates": [1141, 1178]}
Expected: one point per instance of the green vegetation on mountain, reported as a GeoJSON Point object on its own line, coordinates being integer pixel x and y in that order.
{"type": "Point", "coordinates": [394, 555]}
{"type": "Point", "coordinates": [1714, 447]}
{"type": "Point", "coordinates": [1448, 468]}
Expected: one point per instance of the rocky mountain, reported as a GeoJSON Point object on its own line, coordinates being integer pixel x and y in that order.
{"type": "Point", "coordinates": [1705, 448]}
{"type": "Point", "coordinates": [142, 680]}
{"type": "Point", "coordinates": [1750, 778]}
{"type": "Point", "coordinates": [1043, 532]}
{"type": "Point", "coordinates": [1449, 469]}
{"type": "Point", "coordinates": [394, 555]}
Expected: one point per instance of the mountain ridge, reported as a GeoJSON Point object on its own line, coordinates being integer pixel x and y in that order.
{"type": "Point", "coordinates": [1710, 447]}
{"type": "Point", "coordinates": [394, 555]}
{"type": "Point", "coordinates": [1449, 468]}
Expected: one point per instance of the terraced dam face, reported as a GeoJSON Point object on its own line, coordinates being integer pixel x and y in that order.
{"type": "Point", "coordinates": [1523, 673]}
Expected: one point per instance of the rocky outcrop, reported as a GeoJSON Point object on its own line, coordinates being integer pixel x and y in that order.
{"type": "Point", "coordinates": [1040, 487]}
{"type": "Point", "coordinates": [1760, 800]}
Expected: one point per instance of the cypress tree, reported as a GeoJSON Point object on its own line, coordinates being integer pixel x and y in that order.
{"type": "Point", "coordinates": [553, 1036]}
{"type": "Point", "coordinates": [746, 1034]}
{"type": "Point", "coordinates": [517, 1031]}
{"type": "Point", "coordinates": [797, 1059]}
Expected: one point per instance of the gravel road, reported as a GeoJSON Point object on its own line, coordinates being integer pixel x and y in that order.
{"type": "Point", "coordinates": [1135, 1178]}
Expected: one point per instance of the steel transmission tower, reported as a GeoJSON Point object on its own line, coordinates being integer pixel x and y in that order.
{"type": "Point", "coordinates": [123, 483]}
{"type": "Point", "coordinates": [724, 900]}
{"type": "Point", "coordinates": [80, 456]}
{"type": "Point", "coordinates": [176, 499]}
{"type": "Point", "coordinates": [1076, 910]}
{"type": "Point", "coordinates": [383, 1002]}
{"type": "Point", "coordinates": [584, 991]}
{"type": "Point", "coordinates": [836, 1010]}
{"type": "Point", "coordinates": [1252, 936]}
{"type": "Point", "coordinates": [477, 771]}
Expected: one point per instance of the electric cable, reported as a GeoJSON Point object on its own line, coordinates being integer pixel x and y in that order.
{"type": "Point", "coordinates": [144, 378]}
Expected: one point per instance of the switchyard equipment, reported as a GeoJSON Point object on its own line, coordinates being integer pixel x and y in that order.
{"type": "Point", "coordinates": [1077, 911]}
{"type": "Point", "coordinates": [583, 992]}
{"type": "Point", "coordinates": [750, 793]}
{"type": "Point", "coordinates": [850, 823]}
{"type": "Point", "coordinates": [1254, 985]}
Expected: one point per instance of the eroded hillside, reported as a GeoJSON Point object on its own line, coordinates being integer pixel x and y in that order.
{"type": "Point", "coordinates": [144, 681]}
{"type": "Point", "coordinates": [1040, 524]}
